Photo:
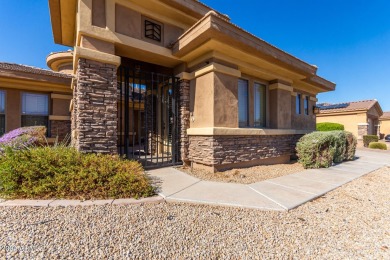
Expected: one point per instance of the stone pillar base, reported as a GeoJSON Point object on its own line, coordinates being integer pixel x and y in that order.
{"type": "Point", "coordinates": [95, 107]}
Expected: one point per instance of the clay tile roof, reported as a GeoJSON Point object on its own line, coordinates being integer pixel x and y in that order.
{"type": "Point", "coordinates": [33, 70]}
{"type": "Point", "coordinates": [327, 108]}
{"type": "Point", "coordinates": [386, 115]}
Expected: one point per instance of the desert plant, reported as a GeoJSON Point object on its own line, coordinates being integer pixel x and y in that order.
{"type": "Point", "coordinates": [377, 145]}
{"type": "Point", "coordinates": [351, 143]}
{"type": "Point", "coordinates": [367, 139]}
{"type": "Point", "coordinates": [63, 172]}
{"type": "Point", "coordinates": [328, 126]}
{"type": "Point", "coordinates": [321, 149]}
{"type": "Point", "coordinates": [23, 137]}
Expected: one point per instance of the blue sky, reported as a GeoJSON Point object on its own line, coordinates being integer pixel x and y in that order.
{"type": "Point", "coordinates": [349, 40]}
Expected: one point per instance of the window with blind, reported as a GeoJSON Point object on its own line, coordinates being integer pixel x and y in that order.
{"type": "Point", "coordinates": [298, 104]}
{"type": "Point", "coordinates": [243, 109]}
{"type": "Point", "coordinates": [2, 112]}
{"type": "Point", "coordinates": [306, 105]}
{"type": "Point", "coordinates": [259, 105]}
{"type": "Point", "coordinates": [35, 109]}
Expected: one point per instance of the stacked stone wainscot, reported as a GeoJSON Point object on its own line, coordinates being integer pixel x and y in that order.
{"type": "Point", "coordinates": [95, 107]}
{"type": "Point", "coordinates": [60, 129]}
{"type": "Point", "coordinates": [222, 152]}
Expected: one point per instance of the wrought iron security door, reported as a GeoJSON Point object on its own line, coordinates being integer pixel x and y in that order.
{"type": "Point", "coordinates": [148, 117]}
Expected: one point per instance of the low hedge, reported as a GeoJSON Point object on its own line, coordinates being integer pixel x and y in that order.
{"type": "Point", "coordinates": [321, 149]}
{"type": "Point", "coordinates": [63, 172]}
{"type": "Point", "coordinates": [367, 139]}
{"type": "Point", "coordinates": [377, 145]}
{"type": "Point", "coordinates": [327, 126]}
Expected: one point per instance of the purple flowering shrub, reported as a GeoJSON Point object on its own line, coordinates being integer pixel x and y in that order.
{"type": "Point", "coordinates": [23, 137]}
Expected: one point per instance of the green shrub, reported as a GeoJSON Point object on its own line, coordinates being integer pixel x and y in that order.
{"type": "Point", "coordinates": [63, 172]}
{"type": "Point", "coordinates": [377, 145]}
{"type": "Point", "coordinates": [351, 143]}
{"type": "Point", "coordinates": [321, 149]}
{"type": "Point", "coordinates": [367, 139]}
{"type": "Point", "coordinates": [327, 126]}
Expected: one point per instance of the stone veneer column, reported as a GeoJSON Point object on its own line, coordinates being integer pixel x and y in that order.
{"type": "Point", "coordinates": [184, 110]}
{"type": "Point", "coordinates": [362, 130]}
{"type": "Point", "coordinates": [95, 107]}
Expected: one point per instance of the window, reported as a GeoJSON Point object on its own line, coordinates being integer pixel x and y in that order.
{"type": "Point", "coordinates": [35, 109]}
{"type": "Point", "coordinates": [306, 105]}
{"type": "Point", "coordinates": [298, 104]}
{"type": "Point", "coordinates": [259, 103]}
{"type": "Point", "coordinates": [243, 103]}
{"type": "Point", "coordinates": [152, 31]}
{"type": "Point", "coordinates": [2, 112]}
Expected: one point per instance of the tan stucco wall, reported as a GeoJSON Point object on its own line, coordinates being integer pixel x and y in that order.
{"type": "Point", "coordinates": [385, 127]}
{"type": "Point", "coordinates": [302, 121]}
{"type": "Point", "coordinates": [99, 13]}
{"type": "Point", "coordinates": [98, 45]}
{"type": "Point", "coordinates": [13, 107]}
{"type": "Point", "coordinates": [225, 100]}
{"type": "Point", "coordinates": [202, 101]}
{"type": "Point", "coordinates": [131, 23]}
{"type": "Point", "coordinates": [60, 107]}
{"type": "Point", "coordinates": [280, 108]}
{"type": "Point", "coordinates": [350, 122]}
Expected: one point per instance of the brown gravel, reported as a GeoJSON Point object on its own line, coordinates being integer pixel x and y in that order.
{"type": "Point", "coordinates": [246, 175]}
{"type": "Point", "coordinates": [351, 222]}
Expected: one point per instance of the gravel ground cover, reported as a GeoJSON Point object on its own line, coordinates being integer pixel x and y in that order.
{"type": "Point", "coordinates": [245, 175]}
{"type": "Point", "coordinates": [352, 222]}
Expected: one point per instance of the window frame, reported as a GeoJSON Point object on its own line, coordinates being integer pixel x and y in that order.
{"type": "Point", "coordinates": [298, 104]}
{"type": "Point", "coordinates": [264, 123]}
{"type": "Point", "coordinates": [247, 125]}
{"type": "Point", "coordinates": [306, 105]}
{"type": "Point", "coordinates": [4, 114]}
{"type": "Point", "coordinates": [46, 116]}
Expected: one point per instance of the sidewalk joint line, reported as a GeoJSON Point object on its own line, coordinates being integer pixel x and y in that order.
{"type": "Point", "coordinates": [183, 189]}
{"type": "Point", "coordinates": [291, 188]}
{"type": "Point", "coordinates": [265, 196]}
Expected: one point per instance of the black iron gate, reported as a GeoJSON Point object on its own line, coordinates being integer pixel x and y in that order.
{"type": "Point", "coordinates": [148, 117]}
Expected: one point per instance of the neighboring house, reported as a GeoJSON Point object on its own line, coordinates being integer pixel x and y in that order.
{"type": "Point", "coordinates": [359, 117]}
{"type": "Point", "coordinates": [174, 81]}
{"type": "Point", "coordinates": [385, 124]}
{"type": "Point", "coordinates": [32, 96]}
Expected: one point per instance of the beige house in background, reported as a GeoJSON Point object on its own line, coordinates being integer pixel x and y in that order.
{"type": "Point", "coordinates": [32, 96]}
{"type": "Point", "coordinates": [358, 117]}
{"type": "Point", "coordinates": [167, 82]}
{"type": "Point", "coordinates": [385, 123]}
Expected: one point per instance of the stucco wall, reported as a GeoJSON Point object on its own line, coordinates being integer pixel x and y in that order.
{"type": "Point", "coordinates": [13, 107]}
{"type": "Point", "coordinates": [202, 101]}
{"type": "Point", "coordinates": [280, 109]}
{"type": "Point", "coordinates": [350, 122]}
{"type": "Point", "coordinates": [302, 121]}
{"type": "Point", "coordinates": [225, 100]}
{"type": "Point", "coordinates": [385, 127]}
{"type": "Point", "coordinates": [131, 23]}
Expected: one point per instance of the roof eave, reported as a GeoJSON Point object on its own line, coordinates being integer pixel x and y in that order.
{"type": "Point", "coordinates": [213, 26]}
{"type": "Point", "coordinates": [63, 20]}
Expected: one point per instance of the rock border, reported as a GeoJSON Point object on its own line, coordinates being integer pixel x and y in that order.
{"type": "Point", "coordinates": [67, 203]}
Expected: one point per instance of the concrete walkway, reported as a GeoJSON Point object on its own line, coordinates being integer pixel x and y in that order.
{"type": "Point", "coordinates": [283, 193]}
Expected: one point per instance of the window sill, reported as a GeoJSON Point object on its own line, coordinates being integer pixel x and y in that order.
{"type": "Point", "coordinates": [243, 131]}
